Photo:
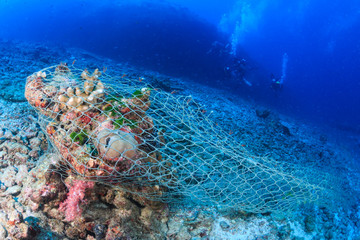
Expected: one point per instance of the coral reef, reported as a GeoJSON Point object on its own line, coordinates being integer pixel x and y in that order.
{"type": "Point", "coordinates": [22, 218]}
{"type": "Point", "coordinates": [99, 135]}
{"type": "Point", "coordinates": [102, 138]}
{"type": "Point", "coordinates": [87, 210]}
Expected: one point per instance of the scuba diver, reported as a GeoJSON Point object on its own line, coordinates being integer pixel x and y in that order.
{"type": "Point", "coordinates": [276, 83]}
{"type": "Point", "coordinates": [236, 70]}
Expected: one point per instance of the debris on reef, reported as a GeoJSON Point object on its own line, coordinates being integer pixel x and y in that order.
{"type": "Point", "coordinates": [102, 139]}
{"type": "Point", "coordinates": [100, 136]}
{"type": "Point", "coordinates": [158, 149]}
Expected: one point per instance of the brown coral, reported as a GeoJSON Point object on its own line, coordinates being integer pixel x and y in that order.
{"type": "Point", "coordinates": [116, 144]}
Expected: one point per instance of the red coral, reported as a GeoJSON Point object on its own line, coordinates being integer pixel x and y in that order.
{"type": "Point", "coordinates": [76, 196]}
{"type": "Point", "coordinates": [85, 119]}
{"type": "Point", "coordinates": [70, 116]}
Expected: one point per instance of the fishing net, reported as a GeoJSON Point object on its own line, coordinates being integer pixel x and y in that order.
{"type": "Point", "coordinates": [123, 133]}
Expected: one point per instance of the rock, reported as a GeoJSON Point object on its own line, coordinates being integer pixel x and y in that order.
{"type": "Point", "coordinates": [21, 158]}
{"type": "Point", "coordinates": [2, 154]}
{"type": "Point", "coordinates": [284, 129]}
{"type": "Point", "coordinates": [178, 231]}
{"type": "Point", "coordinates": [34, 153]}
{"type": "Point", "coordinates": [100, 231]}
{"type": "Point", "coordinates": [224, 225]}
{"type": "Point", "coordinates": [35, 143]}
{"type": "Point", "coordinates": [8, 134]}
{"type": "Point", "coordinates": [16, 138]}
{"type": "Point", "coordinates": [8, 177]}
{"type": "Point", "coordinates": [145, 216]}
{"type": "Point", "coordinates": [14, 190]}
{"type": "Point", "coordinates": [21, 232]}
{"type": "Point", "coordinates": [284, 232]}
{"type": "Point", "coordinates": [309, 224]}
{"type": "Point", "coordinates": [3, 232]}
{"type": "Point", "coordinates": [3, 218]}
{"type": "Point", "coordinates": [13, 147]}
{"type": "Point", "coordinates": [329, 235]}
{"type": "Point", "coordinates": [30, 134]}
{"type": "Point", "coordinates": [278, 216]}
{"type": "Point", "coordinates": [41, 135]}
{"type": "Point", "coordinates": [15, 217]}
{"type": "Point", "coordinates": [72, 232]}
{"type": "Point", "coordinates": [8, 205]}
{"type": "Point", "coordinates": [22, 174]}
{"type": "Point", "coordinates": [121, 202]}
{"type": "Point", "coordinates": [262, 113]}
{"type": "Point", "coordinates": [19, 207]}
{"type": "Point", "coordinates": [56, 226]}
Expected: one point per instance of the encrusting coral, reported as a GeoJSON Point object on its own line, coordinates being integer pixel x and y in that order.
{"type": "Point", "coordinates": [101, 137]}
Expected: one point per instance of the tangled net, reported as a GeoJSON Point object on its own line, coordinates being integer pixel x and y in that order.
{"type": "Point", "coordinates": [159, 146]}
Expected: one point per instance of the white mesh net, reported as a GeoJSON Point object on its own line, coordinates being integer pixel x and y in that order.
{"type": "Point", "coordinates": [119, 132]}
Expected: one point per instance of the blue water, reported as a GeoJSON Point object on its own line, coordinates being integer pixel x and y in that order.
{"type": "Point", "coordinates": [321, 38]}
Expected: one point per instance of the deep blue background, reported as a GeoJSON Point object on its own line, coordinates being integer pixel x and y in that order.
{"type": "Point", "coordinates": [322, 39]}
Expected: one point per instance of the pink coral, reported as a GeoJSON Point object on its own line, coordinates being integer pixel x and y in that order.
{"type": "Point", "coordinates": [76, 196]}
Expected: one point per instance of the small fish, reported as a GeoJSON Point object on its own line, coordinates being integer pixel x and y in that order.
{"type": "Point", "coordinates": [173, 92]}
{"type": "Point", "coordinates": [73, 62]}
{"type": "Point", "coordinates": [123, 75]}
{"type": "Point", "coordinates": [231, 132]}
{"type": "Point", "coordinates": [104, 69]}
